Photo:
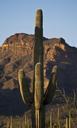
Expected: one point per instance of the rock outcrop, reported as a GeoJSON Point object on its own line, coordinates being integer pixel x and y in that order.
{"type": "Point", "coordinates": [17, 53]}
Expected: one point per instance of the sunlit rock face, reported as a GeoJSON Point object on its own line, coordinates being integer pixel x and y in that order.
{"type": "Point", "coordinates": [17, 52]}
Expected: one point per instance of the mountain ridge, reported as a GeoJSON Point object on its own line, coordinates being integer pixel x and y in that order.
{"type": "Point", "coordinates": [56, 51]}
{"type": "Point", "coordinates": [17, 53]}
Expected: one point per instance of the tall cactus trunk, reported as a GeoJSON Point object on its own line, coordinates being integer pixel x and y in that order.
{"type": "Point", "coordinates": [38, 46]}
{"type": "Point", "coordinates": [38, 85]}
{"type": "Point", "coordinates": [38, 98]}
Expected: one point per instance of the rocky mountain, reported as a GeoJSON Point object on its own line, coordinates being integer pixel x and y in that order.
{"type": "Point", "coordinates": [17, 53]}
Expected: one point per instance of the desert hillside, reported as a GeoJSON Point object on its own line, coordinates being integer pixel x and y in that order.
{"type": "Point", "coordinates": [17, 52]}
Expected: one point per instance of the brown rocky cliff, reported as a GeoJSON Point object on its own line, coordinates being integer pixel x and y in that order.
{"type": "Point", "coordinates": [19, 54]}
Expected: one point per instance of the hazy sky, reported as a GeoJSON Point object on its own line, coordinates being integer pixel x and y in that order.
{"type": "Point", "coordinates": [60, 18]}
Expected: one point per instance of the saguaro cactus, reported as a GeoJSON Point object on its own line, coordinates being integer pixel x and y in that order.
{"type": "Point", "coordinates": [38, 99]}
{"type": "Point", "coordinates": [38, 70]}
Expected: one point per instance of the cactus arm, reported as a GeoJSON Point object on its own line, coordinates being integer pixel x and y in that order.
{"type": "Point", "coordinates": [37, 94]}
{"type": "Point", "coordinates": [24, 87]}
{"type": "Point", "coordinates": [38, 86]}
{"type": "Point", "coordinates": [50, 91]}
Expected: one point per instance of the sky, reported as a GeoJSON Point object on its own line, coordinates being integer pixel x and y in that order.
{"type": "Point", "coordinates": [59, 18]}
